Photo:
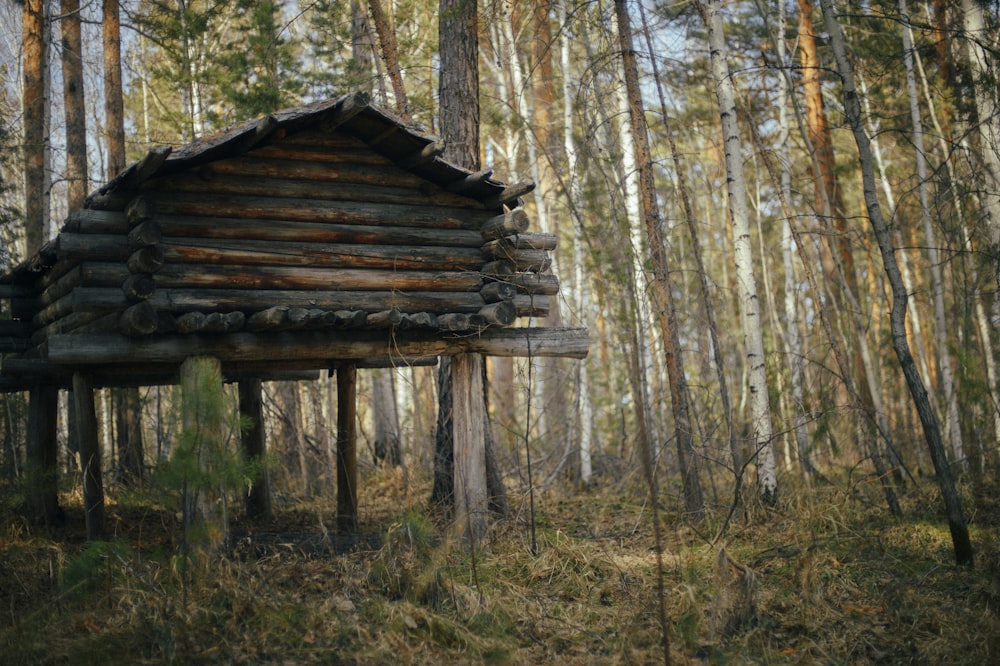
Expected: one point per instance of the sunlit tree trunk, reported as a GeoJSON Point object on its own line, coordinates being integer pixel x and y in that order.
{"type": "Point", "coordinates": [663, 287]}
{"type": "Point", "coordinates": [584, 406]}
{"type": "Point", "coordinates": [918, 392]}
{"type": "Point", "coordinates": [387, 37]}
{"type": "Point", "coordinates": [114, 110]}
{"type": "Point", "coordinates": [947, 380]}
{"type": "Point", "coordinates": [36, 145]}
{"type": "Point", "coordinates": [980, 47]}
{"type": "Point", "coordinates": [75, 109]}
{"type": "Point", "coordinates": [387, 444]}
{"type": "Point", "coordinates": [750, 320]}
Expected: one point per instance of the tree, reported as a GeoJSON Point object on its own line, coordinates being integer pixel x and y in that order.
{"type": "Point", "coordinates": [666, 311]}
{"type": "Point", "coordinates": [750, 317]}
{"type": "Point", "coordinates": [114, 111]}
{"type": "Point", "coordinates": [36, 208]}
{"type": "Point", "coordinates": [897, 322]}
{"type": "Point", "coordinates": [75, 107]}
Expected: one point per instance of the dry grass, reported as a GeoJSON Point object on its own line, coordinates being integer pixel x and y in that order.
{"type": "Point", "coordinates": [828, 579]}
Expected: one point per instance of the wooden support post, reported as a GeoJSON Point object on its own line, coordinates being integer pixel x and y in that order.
{"type": "Point", "coordinates": [90, 456]}
{"type": "Point", "coordinates": [42, 468]}
{"type": "Point", "coordinates": [471, 496]}
{"type": "Point", "coordinates": [203, 417]}
{"type": "Point", "coordinates": [254, 448]}
{"type": "Point", "coordinates": [347, 454]}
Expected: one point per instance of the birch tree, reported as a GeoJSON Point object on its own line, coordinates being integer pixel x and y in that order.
{"type": "Point", "coordinates": [750, 319]}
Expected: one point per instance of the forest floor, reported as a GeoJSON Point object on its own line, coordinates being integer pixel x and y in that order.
{"type": "Point", "coordinates": [828, 578]}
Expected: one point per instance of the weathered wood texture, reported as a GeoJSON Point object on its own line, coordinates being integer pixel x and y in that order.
{"type": "Point", "coordinates": [303, 345]}
{"type": "Point", "coordinates": [287, 224]}
{"type": "Point", "coordinates": [347, 453]}
{"type": "Point", "coordinates": [90, 456]}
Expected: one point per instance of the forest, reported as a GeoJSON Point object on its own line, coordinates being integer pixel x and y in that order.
{"type": "Point", "coordinates": [779, 224]}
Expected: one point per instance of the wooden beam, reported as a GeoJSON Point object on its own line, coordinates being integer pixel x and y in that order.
{"type": "Point", "coordinates": [471, 496]}
{"type": "Point", "coordinates": [250, 206]}
{"type": "Point", "coordinates": [347, 463]}
{"type": "Point", "coordinates": [90, 456]}
{"type": "Point", "coordinates": [41, 468]}
{"type": "Point", "coordinates": [317, 255]}
{"type": "Point", "coordinates": [508, 224]}
{"type": "Point", "coordinates": [173, 276]}
{"type": "Point", "coordinates": [299, 345]}
{"type": "Point", "coordinates": [181, 226]}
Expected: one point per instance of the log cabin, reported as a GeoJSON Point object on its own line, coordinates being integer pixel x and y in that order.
{"type": "Point", "coordinates": [327, 237]}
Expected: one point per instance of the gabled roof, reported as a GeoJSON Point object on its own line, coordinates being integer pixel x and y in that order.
{"type": "Point", "coordinates": [408, 146]}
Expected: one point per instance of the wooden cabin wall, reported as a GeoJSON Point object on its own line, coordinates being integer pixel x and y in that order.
{"type": "Point", "coordinates": [312, 231]}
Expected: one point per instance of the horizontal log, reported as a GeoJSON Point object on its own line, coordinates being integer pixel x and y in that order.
{"type": "Point", "coordinates": [510, 194]}
{"type": "Point", "coordinates": [500, 268]}
{"type": "Point", "coordinates": [222, 184]}
{"type": "Point", "coordinates": [254, 165]}
{"type": "Point", "coordinates": [146, 260]}
{"type": "Point", "coordinates": [139, 210]}
{"type": "Point", "coordinates": [215, 322]}
{"type": "Point", "coordinates": [501, 313]}
{"type": "Point", "coordinates": [532, 306]}
{"type": "Point", "coordinates": [470, 182]}
{"type": "Point", "coordinates": [535, 283]}
{"type": "Point", "coordinates": [144, 234]}
{"type": "Point", "coordinates": [61, 287]}
{"type": "Point", "coordinates": [310, 148]}
{"type": "Point", "coordinates": [296, 277]}
{"type": "Point", "coordinates": [298, 345]}
{"type": "Point", "coordinates": [325, 255]}
{"type": "Point", "coordinates": [509, 245]}
{"type": "Point", "coordinates": [346, 212]}
{"type": "Point", "coordinates": [138, 319]}
{"type": "Point", "coordinates": [314, 232]}
{"type": "Point", "coordinates": [419, 320]}
{"type": "Point", "coordinates": [508, 224]}
{"type": "Point", "coordinates": [97, 299]}
{"type": "Point", "coordinates": [138, 287]}
{"type": "Point", "coordinates": [425, 155]}
{"type": "Point", "coordinates": [524, 260]}
{"type": "Point", "coordinates": [92, 247]}
{"type": "Point", "coordinates": [498, 291]}
{"type": "Point", "coordinates": [89, 221]}
{"type": "Point", "coordinates": [150, 164]}
{"type": "Point", "coordinates": [384, 319]}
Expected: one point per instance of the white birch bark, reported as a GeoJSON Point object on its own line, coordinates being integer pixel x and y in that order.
{"type": "Point", "coordinates": [980, 47]}
{"type": "Point", "coordinates": [947, 380]}
{"type": "Point", "coordinates": [584, 407]}
{"type": "Point", "coordinates": [750, 320]}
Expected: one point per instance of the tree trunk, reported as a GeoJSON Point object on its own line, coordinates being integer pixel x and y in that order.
{"type": "Point", "coordinates": [666, 311]}
{"type": "Point", "coordinates": [347, 454]}
{"type": "Point", "coordinates": [35, 27]}
{"type": "Point", "coordinates": [897, 321]}
{"type": "Point", "coordinates": [387, 444]}
{"type": "Point", "coordinates": [387, 36]}
{"type": "Point", "coordinates": [75, 108]}
{"type": "Point", "coordinates": [946, 376]}
{"type": "Point", "coordinates": [114, 110]}
{"type": "Point", "coordinates": [750, 320]}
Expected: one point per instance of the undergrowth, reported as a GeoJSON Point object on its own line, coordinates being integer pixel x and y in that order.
{"type": "Point", "coordinates": [828, 578]}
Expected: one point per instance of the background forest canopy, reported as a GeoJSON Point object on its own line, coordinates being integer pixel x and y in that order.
{"type": "Point", "coordinates": [556, 110]}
